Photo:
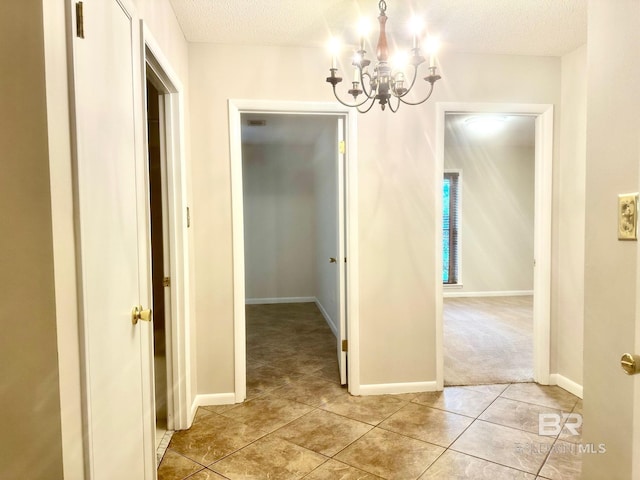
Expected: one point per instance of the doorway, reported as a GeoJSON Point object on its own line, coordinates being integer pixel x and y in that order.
{"type": "Point", "coordinates": [168, 224]}
{"type": "Point", "coordinates": [488, 237]}
{"type": "Point", "coordinates": [543, 115]}
{"type": "Point", "coordinates": [160, 279]}
{"type": "Point", "coordinates": [348, 209]}
{"type": "Point", "coordinates": [293, 236]}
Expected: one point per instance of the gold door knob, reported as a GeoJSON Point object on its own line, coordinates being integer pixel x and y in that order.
{"type": "Point", "coordinates": [630, 363]}
{"type": "Point", "coordinates": [139, 314]}
{"type": "Point", "coordinates": [332, 260]}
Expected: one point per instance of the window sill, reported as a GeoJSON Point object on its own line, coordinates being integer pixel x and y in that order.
{"type": "Point", "coordinates": [452, 286]}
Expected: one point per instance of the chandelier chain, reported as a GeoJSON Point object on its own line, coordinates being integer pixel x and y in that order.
{"type": "Point", "coordinates": [382, 5]}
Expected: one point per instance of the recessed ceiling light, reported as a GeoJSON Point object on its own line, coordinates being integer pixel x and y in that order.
{"type": "Point", "coordinates": [485, 124]}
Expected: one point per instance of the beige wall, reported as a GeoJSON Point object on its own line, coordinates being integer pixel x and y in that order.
{"type": "Point", "coordinates": [612, 158]}
{"type": "Point", "coordinates": [29, 388]}
{"type": "Point", "coordinates": [496, 218]}
{"type": "Point", "coordinates": [279, 221]}
{"type": "Point", "coordinates": [568, 293]}
{"type": "Point", "coordinates": [396, 182]}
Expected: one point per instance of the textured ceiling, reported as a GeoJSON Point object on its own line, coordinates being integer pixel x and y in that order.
{"type": "Point", "coordinates": [521, 27]}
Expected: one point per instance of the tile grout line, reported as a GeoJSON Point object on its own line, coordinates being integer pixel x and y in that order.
{"type": "Point", "coordinates": [467, 428]}
{"type": "Point", "coordinates": [321, 374]}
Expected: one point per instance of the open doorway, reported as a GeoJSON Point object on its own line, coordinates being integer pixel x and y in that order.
{"type": "Point", "coordinates": [488, 248]}
{"type": "Point", "coordinates": [541, 261]}
{"type": "Point", "coordinates": [293, 209]}
{"type": "Point", "coordinates": [347, 154]}
{"type": "Point", "coordinates": [168, 262]}
{"type": "Point", "coordinates": [160, 278]}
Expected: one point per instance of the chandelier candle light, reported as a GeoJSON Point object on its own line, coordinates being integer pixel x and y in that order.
{"type": "Point", "coordinates": [385, 83]}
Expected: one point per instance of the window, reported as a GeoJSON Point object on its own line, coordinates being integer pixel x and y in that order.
{"type": "Point", "coordinates": [450, 219]}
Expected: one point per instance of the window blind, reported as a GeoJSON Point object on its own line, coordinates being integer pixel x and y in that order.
{"type": "Point", "coordinates": [450, 219]}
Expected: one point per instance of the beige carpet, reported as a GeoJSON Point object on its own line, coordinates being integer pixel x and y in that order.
{"type": "Point", "coordinates": [488, 340]}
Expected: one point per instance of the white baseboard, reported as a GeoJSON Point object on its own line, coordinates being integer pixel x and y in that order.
{"type": "Point", "coordinates": [211, 399]}
{"type": "Point", "coordinates": [505, 293]}
{"type": "Point", "coordinates": [568, 385]}
{"type": "Point", "coordinates": [397, 388]}
{"type": "Point", "coordinates": [328, 319]}
{"type": "Point", "coordinates": [269, 301]}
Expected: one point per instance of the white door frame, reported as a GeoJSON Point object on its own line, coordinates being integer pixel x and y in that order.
{"type": "Point", "coordinates": [236, 108]}
{"type": "Point", "coordinates": [542, 226]}
{"type": "Point", "coordinates": [178, 356]}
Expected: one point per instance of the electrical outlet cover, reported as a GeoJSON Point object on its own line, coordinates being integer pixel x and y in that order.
{"type": "Point", "coordinates": [628, 216]}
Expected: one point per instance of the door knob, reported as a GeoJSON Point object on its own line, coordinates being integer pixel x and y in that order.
{"type": "Point", "coordinates": [139, 314]}
{"type": "Point", "coordinates": [630, 363]}
{"type": "Point", "coordinates": [332, 260]}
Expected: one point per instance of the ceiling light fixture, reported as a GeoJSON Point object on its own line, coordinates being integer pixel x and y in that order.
{"type": "Point", "coordinates": [485, 124]}
{"type": "Point", "coordinates": [387, 83]}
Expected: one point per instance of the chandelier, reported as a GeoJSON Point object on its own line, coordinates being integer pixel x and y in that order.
{"type": "Point", "coordinates": [387, 85]}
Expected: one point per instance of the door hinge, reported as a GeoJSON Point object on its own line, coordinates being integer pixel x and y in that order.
{"type": "Point", "coordinates": [345, 346]}
{"type": "Point", "coordinates": [341, 147]}
{"type": "Point", "coordinates": [79, 19]}
{"type": "Point", "coordinates": [166, 282]}
{"type": "Point", "coordinates": [345, 259]}
{"type": "Point", "coordinates": [188, 217]}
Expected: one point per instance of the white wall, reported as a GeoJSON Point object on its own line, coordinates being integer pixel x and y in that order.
{"type": "Point", "coordinates": [567, 314]}
{"type": "Point", "coordinates": [396, 192]}
{"type": "Point", "coordinates": [611, 270]}
{"type": "Point", "coordinates": [497, 192]}
{"type": "Point", "coordinates": [279, 221]}
{"type": "Point", "coordinates": [326, 188]}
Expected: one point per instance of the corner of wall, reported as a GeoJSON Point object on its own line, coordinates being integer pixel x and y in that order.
{"type": "Point", "coordinates": [569, 241]}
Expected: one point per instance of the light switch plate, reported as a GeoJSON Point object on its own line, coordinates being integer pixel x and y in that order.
{"type": "Point", "coordinates": [628, 216]}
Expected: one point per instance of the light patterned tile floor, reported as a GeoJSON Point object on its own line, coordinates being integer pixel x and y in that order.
{"type": "Point", "coordinates": [299, 423]}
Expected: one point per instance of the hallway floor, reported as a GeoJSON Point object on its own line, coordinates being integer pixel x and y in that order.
{"type": "Point", "coordinates": [298, 422]}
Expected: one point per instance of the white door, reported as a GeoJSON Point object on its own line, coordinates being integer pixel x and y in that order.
{"type": "Point", "coordinates": [342, 257]}
{"type": "Point", "coordinates": [636, 406]}
{"type": "Point", "coordinates": [636, 385]}
{"type": "Point", "coordinates": [113, 247]}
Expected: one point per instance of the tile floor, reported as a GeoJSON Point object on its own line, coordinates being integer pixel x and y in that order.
{"type": "Point", "coordinates": [298, 422]}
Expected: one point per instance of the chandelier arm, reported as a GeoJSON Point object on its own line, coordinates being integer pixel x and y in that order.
{"type": "Point", "coordinates": [364, 88]}
{"type": "Point", "coordinates": [397, 105]}
{"type": "Point", "coordinates": [373, 102]}
{"type": "Point", "coordinates": [421, 101]}
{"type": "Point", "coordinates": [335, 94]}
